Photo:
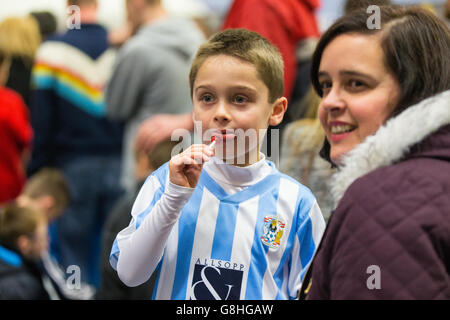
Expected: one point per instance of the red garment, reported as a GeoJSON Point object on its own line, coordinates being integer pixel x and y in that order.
{"type": "Point", "coordinates": [283, 22]}
{"type": "Point", "coordinates": [15, 136]}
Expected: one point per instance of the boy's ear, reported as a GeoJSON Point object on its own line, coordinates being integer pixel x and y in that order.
{"type": "Point", "coordinates": [279, 108]}
{"type": "Point", "coordinates": [46, 202]}
{"type": "Point", "coordinates": [23, 244]}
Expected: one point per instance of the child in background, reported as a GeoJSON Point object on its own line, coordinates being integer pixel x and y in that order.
{"type": "Point", "coordinates": [224, 223]}
{"type": "Point", "coordinates": [111, 287]}
{"type": "Point", "coordinates": [15, 137]}
{"type": "Point", "coordinates": [23, 237]}
{"type": "Point", "coordinates": [47, 191]}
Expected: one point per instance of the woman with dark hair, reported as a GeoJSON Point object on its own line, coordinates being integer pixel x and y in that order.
{"type": "Point", "coordinates": [385, 111]}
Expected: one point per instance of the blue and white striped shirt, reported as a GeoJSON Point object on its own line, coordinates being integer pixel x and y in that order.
{"type": "Point", "coordinates": [252, 244]}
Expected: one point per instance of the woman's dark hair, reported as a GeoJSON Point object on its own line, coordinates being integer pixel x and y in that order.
{"type": "Point", "coordinates": [416, 46]}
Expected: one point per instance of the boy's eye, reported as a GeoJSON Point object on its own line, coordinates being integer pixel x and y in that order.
{"type": "Point", "coordinates": [207, 98]}
{"type": "Point", "coordinates": [240, 99]}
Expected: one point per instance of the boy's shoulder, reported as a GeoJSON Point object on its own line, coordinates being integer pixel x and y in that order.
{"type": "Point", "coordinates": [161, 174]}
{"type": "Point", "coordinates": [291, 190]}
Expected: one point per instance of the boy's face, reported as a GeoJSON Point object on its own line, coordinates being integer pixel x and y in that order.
{"type": "Point", "coordinates": [232, 104]}
{"type": "Point", "coordinates": [32, 247]}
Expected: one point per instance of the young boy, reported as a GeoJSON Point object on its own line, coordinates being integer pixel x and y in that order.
{"type": "Point", "coordinates": [23, 237]}
{"type": "Point", "coordinates": [229, 226]}
{"type": "Point", "coordinates": [47, 190]}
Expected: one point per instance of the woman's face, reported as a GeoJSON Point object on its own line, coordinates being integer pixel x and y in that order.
{"type": "Point", "coordinates": [359, 93]}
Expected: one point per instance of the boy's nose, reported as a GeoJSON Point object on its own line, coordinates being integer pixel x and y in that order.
{"type": "Point", "coordinates": [222, 115]}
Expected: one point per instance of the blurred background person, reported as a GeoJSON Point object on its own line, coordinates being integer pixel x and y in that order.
{"type": "Point", "coordinates": [111, 286]}
{"type": "Point", "coordinates": [151, 72]}
{"type": "Point", "coordinates": [19, 39]}
{"type": "Point", "coordinates": [47, 23]}
{"type": "Point", "coordinates": [23, 237]}
{"type": "Point", "coordinates": [48, 192]}
{"type": "Point", "coordinates": [15, 136]}
{"type": "Point", "coordinates": [73, 134]}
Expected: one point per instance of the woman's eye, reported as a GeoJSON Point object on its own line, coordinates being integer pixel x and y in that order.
{"type": "Point", "coordinates": [356, 84]}
{"type": "Point", "coordinates": [325, 86]}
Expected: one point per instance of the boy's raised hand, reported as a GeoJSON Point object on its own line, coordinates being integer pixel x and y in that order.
{"type": "Point", "coordinates": [185, 168]}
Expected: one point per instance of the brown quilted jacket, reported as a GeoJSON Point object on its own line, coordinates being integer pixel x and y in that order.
{"type": "Point", "coordinates": [389, 237]}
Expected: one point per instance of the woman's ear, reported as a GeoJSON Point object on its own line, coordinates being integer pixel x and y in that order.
{"type": "Point", "coordinates": [279, 108]}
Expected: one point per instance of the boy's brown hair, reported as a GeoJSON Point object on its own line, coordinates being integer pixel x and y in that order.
{"type": "Point", "coordinates": [81, 2]}
{"type": "Point", "coordinates": [153, 2]}
{"type": "Point", "coordinates": [250, 47]}
{"type": "Point", "coordinates": [48, 182]}
{"type": "Point", "coordinates": [16, 221]}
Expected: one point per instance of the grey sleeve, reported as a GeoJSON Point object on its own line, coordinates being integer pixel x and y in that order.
{"type": "Point", "coordinates": [125, 89]}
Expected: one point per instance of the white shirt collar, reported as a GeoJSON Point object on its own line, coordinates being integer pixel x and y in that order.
{"type": "Point", "coordinates": [238, 176]}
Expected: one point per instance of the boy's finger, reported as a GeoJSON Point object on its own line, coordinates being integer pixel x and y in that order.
{"type": "Point", "coordinates": [194, 157]}
{"type": "Point", "coordinates": [199, 156]}
{"type": "Point", "coordinates": [201, 147]}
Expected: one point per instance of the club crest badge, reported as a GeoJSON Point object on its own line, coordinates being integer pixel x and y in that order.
{"type": "Point", "coordinates": [273, 230]}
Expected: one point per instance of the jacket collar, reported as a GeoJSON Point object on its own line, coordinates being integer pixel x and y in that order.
{"type": "Point", "coordinates": [392, 141]}
{"type": "Point", "coordinates": [10, 257]}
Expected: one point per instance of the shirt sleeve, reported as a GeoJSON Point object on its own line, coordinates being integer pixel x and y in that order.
{"type": "Point", "coordinates": [138, 248]}
{"type": "Point", "coordinates": [42, 112]}
{"type": "Point", "coordinates": [125, 89]}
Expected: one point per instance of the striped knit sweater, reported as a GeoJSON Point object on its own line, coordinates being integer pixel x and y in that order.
{"type": "Point", "coordinates": [67, 106]}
